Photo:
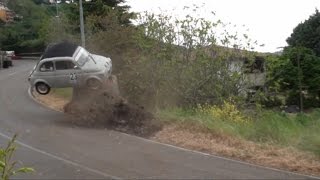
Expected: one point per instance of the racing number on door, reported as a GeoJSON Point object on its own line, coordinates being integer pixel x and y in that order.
{"type": "Point", "coordinates": [73, 76]}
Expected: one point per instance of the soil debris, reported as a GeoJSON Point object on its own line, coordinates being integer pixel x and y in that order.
{"type": "Point", "coordinates": [105, 109]}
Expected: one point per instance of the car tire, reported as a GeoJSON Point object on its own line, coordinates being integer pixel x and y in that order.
{"type": "Point", "coordinates": [42, 88]}
{"type": "Point", "coordinates": [94, 84]}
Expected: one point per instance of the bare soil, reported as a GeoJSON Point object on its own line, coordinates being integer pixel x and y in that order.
{"type": "Point", "coordinates": [116, 113]}
{"type": "Point", "coordinates": [108, 110]}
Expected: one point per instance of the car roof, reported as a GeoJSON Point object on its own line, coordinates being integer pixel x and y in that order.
{"type": "Point", "coordinates": [63, 49]}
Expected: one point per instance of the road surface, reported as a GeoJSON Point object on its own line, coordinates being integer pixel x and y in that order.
{"type": "Point", "coordinates": [59, 151]}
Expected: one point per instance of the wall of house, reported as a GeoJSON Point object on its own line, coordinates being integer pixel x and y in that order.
{"type": "Point", "coordinates": [3, 15]}
{"type": "Point", "coordinates": [255, 78]}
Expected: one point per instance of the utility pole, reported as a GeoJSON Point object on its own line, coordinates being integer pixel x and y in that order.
{"type": "Point", "coordinates": [300, 84]}
{"type": "Point", "coordinates": [57, 11]}
{"type": "Point", "coordinates": [83, 41]}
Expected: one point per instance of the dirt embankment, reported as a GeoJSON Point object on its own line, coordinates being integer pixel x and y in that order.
{"type": "Point", "coordinates": [107, 109]}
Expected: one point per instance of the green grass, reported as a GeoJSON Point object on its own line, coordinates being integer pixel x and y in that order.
{"type": "Point", "coordinates": [301, 131]}
{"type": "Point", "coordinates": [63, 92]}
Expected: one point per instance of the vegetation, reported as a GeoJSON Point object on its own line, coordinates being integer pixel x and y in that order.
{"type": "Point", "coordinates": [307, 34]}
{"type": "Point", "coordinates": [300, 131]}
{"type": "Point", "coordinates": [296, 72]}
{"type": "Point", "coordinates": [25, 35]}
{"type": "Point", "coordinates": [42, 23]}
{"type": "Point", "coordinates": [7, 166]}
{"type": "Point", "coordinates": [184, 69]}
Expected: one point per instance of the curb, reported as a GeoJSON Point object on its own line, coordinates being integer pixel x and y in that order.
{"type": "Point", "coordinates": [30, 92]}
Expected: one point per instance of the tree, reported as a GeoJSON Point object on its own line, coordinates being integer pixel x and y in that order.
{"type": "Point", "coordinates": [2, 23]}
{"type": "Point", "coordinates": [99, 8]}
{"type": "Point", "coordinates": [296, 72]}
{"type": "Point", "coordinates": [298, 69]}
{"type": "Point", "coordinates": [24, 35]}
{"type": "Point", "coordinates": [307, 34]}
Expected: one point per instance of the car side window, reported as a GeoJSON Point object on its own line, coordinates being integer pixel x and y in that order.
{"type": "Point", "coordinates": [46, 66]}
{"type": "Point", "coordinates": [64, 65]}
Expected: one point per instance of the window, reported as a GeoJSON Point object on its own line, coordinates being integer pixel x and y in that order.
{"type": "Point", "coordinates": [257, 66]}
{"type": "Point", "coordinates": [64, 65]}
{"type": "Point", "coordinates": [46, 66]}
{"type": "Point", "coordinates": [82, 57]}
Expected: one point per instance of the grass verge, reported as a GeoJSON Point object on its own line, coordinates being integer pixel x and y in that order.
{"type": "Point", "coordinates": [274, 139]}
{"type": "Point", "coordinates": [301, 131]}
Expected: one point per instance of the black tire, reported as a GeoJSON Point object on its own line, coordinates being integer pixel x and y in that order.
{"type": "Point", "coordinates": [42, 88]}
{"type": "Point", "coordinates": [94, 84]}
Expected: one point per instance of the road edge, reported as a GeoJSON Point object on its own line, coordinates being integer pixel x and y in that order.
{"type": "Point", "coordinates": [184, 149]}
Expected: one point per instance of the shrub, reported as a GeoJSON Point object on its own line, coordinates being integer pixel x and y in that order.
{"type": "Point", "coordinates": [228, 111]}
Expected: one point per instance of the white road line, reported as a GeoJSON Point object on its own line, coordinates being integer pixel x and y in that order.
{"type": "Point", "coordinates": [61, 159]}
{"type": "Point", "coordinates": [11, 74]}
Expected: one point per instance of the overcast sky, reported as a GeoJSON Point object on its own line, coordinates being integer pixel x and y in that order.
{"type": "Point", "coordinates": [269, 22]}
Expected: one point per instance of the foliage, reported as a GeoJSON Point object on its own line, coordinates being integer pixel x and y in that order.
{"type": "Point", "coordinates": [307, 34]}
{"type": "Point", "coordinates": [228, 111]}
{"type": "Point", "coordinates": [7, 166]}
{"type": "Point", "coordinates": [24, 35]}
{"type": "Point", "coordinates": [98, 9]}
{"type": "Point", "coordinates": [300, 131]}
{"type": "Point", "coordinates": [180, 62]}
{"type": "Point", "coordinates": [285, 74]}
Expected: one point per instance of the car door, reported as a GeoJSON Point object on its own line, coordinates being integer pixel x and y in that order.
{"type": "Point", "coordinates": [46, 72]}
{"type": "Point", "coordinates": [66, 74]}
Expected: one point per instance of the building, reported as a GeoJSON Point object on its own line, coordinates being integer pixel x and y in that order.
{"type": "Point", "coordinates": [252, 67]}
{"type": "Point", "coordinates": [6, 15]}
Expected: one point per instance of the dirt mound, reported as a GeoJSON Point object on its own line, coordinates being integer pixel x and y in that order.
{"type": "Point", "coordinates": [107, 110]}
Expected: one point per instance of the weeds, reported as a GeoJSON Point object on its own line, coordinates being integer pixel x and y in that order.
{"type": "Point", "coordinates": [226, 112]}
{"type": "Point", "coordinates": [7, 166]}
{"type": "Point", "coordinates": [301, 131]}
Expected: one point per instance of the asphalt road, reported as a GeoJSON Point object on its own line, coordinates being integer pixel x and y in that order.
{"type": "Point", "coordinates": [59, 151]}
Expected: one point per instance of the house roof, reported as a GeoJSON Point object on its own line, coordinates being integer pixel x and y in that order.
{"type": "Point", "coordinates": [64, 49]}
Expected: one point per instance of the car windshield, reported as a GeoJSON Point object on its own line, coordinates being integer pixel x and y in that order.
{"type": "Point", "coordinates": [82, 57]}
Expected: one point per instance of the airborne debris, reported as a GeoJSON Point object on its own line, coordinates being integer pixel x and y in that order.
{"type": "Point", "coordinates": [105, 108]}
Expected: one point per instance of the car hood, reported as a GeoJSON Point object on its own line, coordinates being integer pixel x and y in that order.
{"type": "Point", "coordinates": [101, 63]}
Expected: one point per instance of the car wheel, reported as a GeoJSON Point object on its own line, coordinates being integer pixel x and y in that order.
{"type": "Point", "coordinates": [42, 88]}
{"type": "Point", "coordinates": [94, 84]}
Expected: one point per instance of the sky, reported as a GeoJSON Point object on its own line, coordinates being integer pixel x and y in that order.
{"type": "Point", "coordinates": [270, 22]}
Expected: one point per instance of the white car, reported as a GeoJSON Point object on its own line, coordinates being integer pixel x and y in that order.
{"type": "Point", "coordinates": [67, 65]}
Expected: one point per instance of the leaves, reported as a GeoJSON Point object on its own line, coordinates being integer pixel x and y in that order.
{"type": "Point", "coordinates": [23, 170]}
{"type": "Point", "coordinates": [307, 34]}
{"type": "Point", "coordinates": [7, 166]}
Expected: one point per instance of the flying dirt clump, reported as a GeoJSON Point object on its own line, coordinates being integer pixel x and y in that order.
{"type": "Point", "coordinates": [104, 108]}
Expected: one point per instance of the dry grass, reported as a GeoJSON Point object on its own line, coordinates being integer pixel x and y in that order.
{"type": "Point", "coordinates": [263, 154]}
{"type": "Point", "coordinates": [196, 138]}
{"type": "Point", "coordinates": [52, 101]}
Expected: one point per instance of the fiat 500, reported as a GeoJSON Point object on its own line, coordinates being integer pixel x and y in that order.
{"type": "Point", "coordinates": [67, 66]}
